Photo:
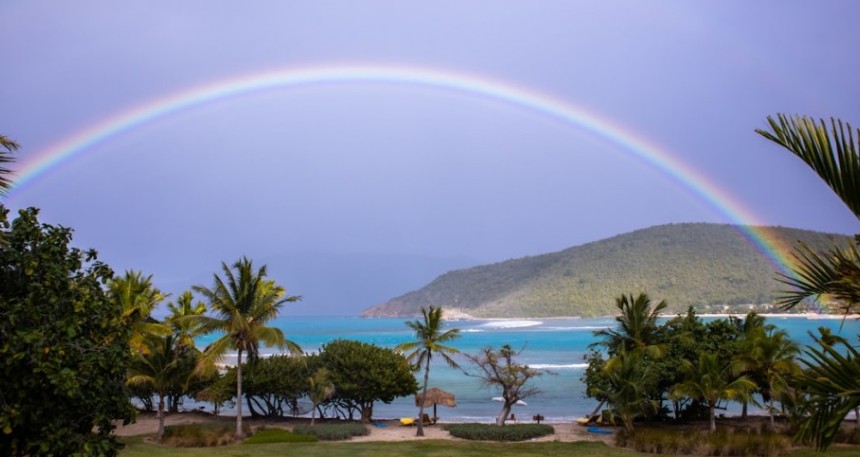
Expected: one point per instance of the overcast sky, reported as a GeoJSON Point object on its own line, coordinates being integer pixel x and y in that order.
{"type": "Point", "coordinates": [408, 170]}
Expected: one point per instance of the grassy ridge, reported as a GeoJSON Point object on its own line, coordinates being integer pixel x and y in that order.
{"type": "Point", "coordinates": [701, 265]}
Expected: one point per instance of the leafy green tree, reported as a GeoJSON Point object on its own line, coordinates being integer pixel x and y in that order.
{"type": "Point", "coordinates": [630, 382]}
{"type": "Point", "coordinates": [365, 373]}
{"type": "Point", "coordinates": [498, 369]}
{"type": "Point", "coordinates": [320, 389]}
{"type": "Point", "coordinates": [7, 147]}
{"type": "Point", "coordinates": [159, 367]}
{"type": "Point", "coordinates": [138, 297]}
{"type": "Point", "coordinates": [219, 389]}
{"type": "Point", "coordinates": [273, 385]}
{"type": "Point", "coordinates": [711, 381]}
{"type": "Point", "coordinates": [431, 339]}
{"type": "Point", "coordinates": [595, 378]}
{"type": "Point", "coordinates": [243, 302]}
{"type": "Point", "coordinates": [63, 345]}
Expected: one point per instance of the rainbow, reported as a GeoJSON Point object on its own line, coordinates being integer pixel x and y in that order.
{"type": "Point", "coordinates": [611, 132]}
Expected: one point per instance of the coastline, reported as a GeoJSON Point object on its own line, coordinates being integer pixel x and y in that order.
{"type": "Point", "coordinates": [381, 430]}
{"type": "Point", "coordinates": [457, 314]}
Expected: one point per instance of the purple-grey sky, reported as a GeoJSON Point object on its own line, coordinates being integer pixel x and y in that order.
{"type": "Point", "coordinates": [375, 188]}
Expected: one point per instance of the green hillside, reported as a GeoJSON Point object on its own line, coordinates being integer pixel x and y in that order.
{"type": "Point", "coordinates": [707, 266]}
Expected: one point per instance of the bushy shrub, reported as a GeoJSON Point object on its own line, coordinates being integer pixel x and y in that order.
{"type": "Point", "coordinates": [719, 443]}
{"type": "Point", "coordinates": [278, 435]}
{"type": "Point", "coordinates": [333, 432]}
{"type": "Point", "coordinates": [490, 432]}
{"type": "Point", "coordinates": [201, 435]}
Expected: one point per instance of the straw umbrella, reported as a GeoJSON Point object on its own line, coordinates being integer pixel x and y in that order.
{"type": "Point", "coordinates": [436, 396]}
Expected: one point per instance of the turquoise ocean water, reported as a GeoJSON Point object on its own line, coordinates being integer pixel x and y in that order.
{"type": "Point", "coordinates": [557, 345]}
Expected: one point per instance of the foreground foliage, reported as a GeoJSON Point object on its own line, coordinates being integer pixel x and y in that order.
{"type": "Point", "coordinates": [832, 277]}
{"type": "Point", "coordinates": [200, 435]}
{"type": "Point", "coordinates": [416, 448]}
{"type": "Point", "coordinates": [7, 147]}
{"type": "Point", "coordinates": [488, 432]}
{"type": "Point", "coordinates": [333, 432]}
{"type": "Point", "coordinates": [692, 442]}
{"type": "Point", "coordinates": [63, 345]}
{"type": "Point", "coordinates": [423, 448]}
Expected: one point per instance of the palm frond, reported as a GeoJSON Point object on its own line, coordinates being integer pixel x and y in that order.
{"type": "Point", "coordinates": [832, 381]}
{"type": "Point", "coordinates": [834, 274]}
{"type": "Point", "coordinates": [7, 147]}
{"type": "Point", "coordinates": [833, 156]}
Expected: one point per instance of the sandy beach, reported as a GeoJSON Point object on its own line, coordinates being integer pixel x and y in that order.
{"type": "Point", "coordinates": [388, 430]}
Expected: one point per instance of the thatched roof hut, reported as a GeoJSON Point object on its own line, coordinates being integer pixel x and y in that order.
{"type": "Point", "coordinates": [436, 396]}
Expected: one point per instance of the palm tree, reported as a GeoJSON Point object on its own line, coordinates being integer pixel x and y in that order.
{"type": "Point", "coordinates": [834, 155]}
{"type": "Point", "coordinates": [630, 380]}
{"type": "Point", "coordinates": [159, 367]}
{"type": "Point", "coordinates": [243, 303]}
{"type": "Point", "coordinates": [138, 297]}
{"type": "Point", "coordinates": [638, 326]}
{"type": "Point", "coordinates": [320, 389]}
{"type": "Point", "coordinates": [183, 319]}
{"type": "Point", "coordinates": [709, 381]}
{"type": "Point", "coordinates": [7, 147]}
{"type": "Point", "coordinates": [831, 381]}
{"type": "Point", "coordinates": [769, 359]}
{"type": "Point", "coordinates": [430, 339]}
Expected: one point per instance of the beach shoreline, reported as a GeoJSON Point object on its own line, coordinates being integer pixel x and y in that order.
{"type": "Point", "coordinates": [385, 430]}
{"type": "Point", "coordinates": [456, 314]}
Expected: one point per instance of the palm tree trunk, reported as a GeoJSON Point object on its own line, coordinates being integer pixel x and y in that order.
{"type": "Point", "coordinates": [770, 407]}
{"type": "Point", "coordinates": [160, 417]}
{"type": "Point", "coordinates": [313, 413]}
{"type": "Point", "coordinates": [711, 412]}
{"type": "Point", "coordinates": [239, 434]}
{"type": "Point", "coordinates": [423, 396]}
{"type": "Point", "coordinates": [744, 409]}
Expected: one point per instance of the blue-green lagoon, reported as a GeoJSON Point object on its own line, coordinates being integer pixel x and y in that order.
{"type": "Point", "coordinates": [557, 345]}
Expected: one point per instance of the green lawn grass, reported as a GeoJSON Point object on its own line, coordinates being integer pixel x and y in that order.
{"type": "Point", "coordinates": [423, 448]}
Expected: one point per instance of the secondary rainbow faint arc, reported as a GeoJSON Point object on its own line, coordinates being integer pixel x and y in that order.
{"type": "Point", "coordinates": [624, 138]}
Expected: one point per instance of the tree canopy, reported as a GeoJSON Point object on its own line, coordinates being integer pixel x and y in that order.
{"type": "Point", "coordinates": [63, 344]}
{"type": "Point", "coordinates": [364, 373]}
{"type": "Point", "coordinates": [498, 369]}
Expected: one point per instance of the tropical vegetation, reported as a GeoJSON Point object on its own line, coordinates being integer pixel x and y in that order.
{"type": "Point", "coordinates": [363, 374]}
{"type": "Point", "coordinates": [430, 339]}
{"type": "Point", "coordinates": [832, 277]}
{"type": "Point", "coordinates": [63, 344]}
{"type": "Point", "coordinates": [642, 365]}
{"type": "Point", "coordinates": [498, 369]}
{"type": "Point", "coordinates": [243, 302]}
{"type": "Point", "coordinates": [7, 147]}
